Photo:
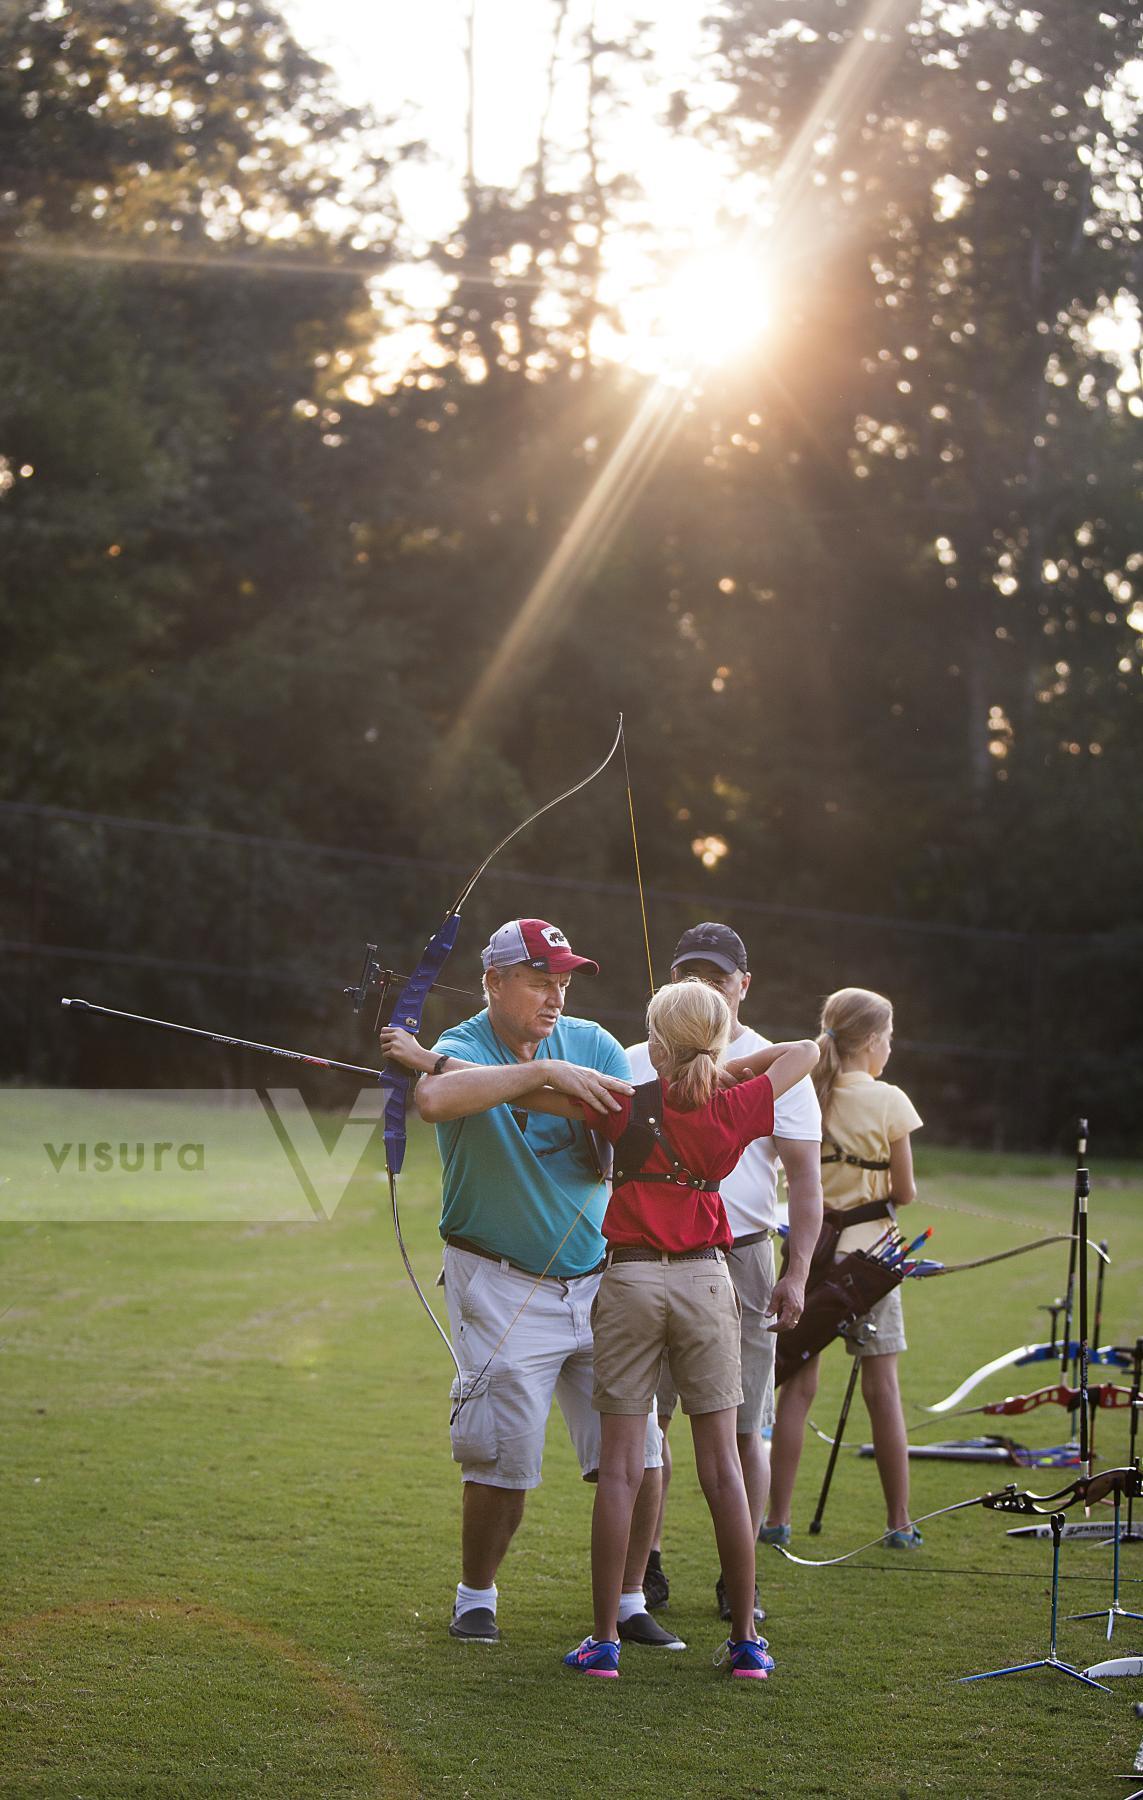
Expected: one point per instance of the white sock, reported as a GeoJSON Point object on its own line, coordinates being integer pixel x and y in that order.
{"type": "Point", "coordinates": [467, 1598]}
{"type": "Point", "coordinates": [629, 1604]}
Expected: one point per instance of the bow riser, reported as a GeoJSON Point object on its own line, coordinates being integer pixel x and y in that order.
{"type": "Point", "coordinates": [1105, 1397]}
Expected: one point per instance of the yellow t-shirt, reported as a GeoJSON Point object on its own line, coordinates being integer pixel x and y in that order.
{"type": "Point", "coordinates": [865, 1117]}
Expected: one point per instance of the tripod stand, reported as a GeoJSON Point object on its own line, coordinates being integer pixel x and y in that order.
{"type": "Point", "coordinates": [1114, 1611]}
{"type": "Point", "coordinates": [1051, 1661]}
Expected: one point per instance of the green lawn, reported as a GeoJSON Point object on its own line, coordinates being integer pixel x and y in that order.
{"type": "Point", "coordinates": [229, 1528]}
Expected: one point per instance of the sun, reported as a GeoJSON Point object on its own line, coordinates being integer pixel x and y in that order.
{"type": "Point", "coordinates": [715, 307]}
{"type": "Point", "coordinates": [712, 307]}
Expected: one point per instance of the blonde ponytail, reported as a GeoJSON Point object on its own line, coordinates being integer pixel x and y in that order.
{"type": "Point", "coordinates": [690, 1023]}
{"type": "Point", "coordinates": [849, 1019]}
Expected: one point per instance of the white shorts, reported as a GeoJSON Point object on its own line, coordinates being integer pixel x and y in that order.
{"type": "Point", "coordinates": [498, 1436]}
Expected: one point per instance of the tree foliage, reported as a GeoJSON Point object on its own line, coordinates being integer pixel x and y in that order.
{"type": "Point", "coordinates": [869, 594]}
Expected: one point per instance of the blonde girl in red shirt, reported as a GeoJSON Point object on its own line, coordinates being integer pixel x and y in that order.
{"type": "Point", "coordinates": [666, 1288]}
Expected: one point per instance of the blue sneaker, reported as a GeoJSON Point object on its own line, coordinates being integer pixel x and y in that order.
{"type": "Point", "coordinates": [906, 1538]}
{"type": "Point", "coordinates": [750, 1658]}
{"type": "Point", "coordinates": [590, 1658]}
{"type": "Point", "coordinates": [774, 1534]}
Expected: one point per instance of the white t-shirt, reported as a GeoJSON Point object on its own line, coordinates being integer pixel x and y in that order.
{"type": "Point", "coordinates": [750, 1194]}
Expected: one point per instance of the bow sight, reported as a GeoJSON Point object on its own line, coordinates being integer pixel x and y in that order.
{"type": "Point", "coordinates": [375, 979]}
{"type": "Point", "coordinates": [372, 976]}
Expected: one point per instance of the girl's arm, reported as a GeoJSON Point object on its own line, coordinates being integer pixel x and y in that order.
{"type": "Point", "coordinates": [784, 1063]}
{"type": "Point", "coordinates": [548, 1101]}
{"type": "Point", "coordinates": [902, 1186]}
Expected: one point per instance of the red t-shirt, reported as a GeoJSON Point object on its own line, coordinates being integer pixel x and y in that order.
{"type": "Point", "coordinates": [708, 1142]}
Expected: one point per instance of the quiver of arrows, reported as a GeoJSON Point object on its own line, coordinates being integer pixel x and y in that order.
{"type": "Point", "coordinates": [844, 1291]}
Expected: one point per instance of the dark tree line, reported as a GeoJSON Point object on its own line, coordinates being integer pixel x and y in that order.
{"type": "Point", "coordinates": [873, 613]}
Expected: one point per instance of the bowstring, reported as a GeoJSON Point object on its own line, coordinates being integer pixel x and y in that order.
{"type": "Point", "coordinates": [638, 870]}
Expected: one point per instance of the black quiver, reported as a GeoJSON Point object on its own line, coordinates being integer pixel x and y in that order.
{"type": "Point", "coordinates": [851, 1285]}
{"type": "Point", "coordinates": [837, 1291]}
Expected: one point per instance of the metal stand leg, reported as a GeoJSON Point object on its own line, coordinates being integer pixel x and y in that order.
{"type": "Point", "coordinates": [816, 1521]}
{"type": "Point", "coordinates": [1051, 1661]}
{"type": "Point", "coordinates": [1114, 1611]}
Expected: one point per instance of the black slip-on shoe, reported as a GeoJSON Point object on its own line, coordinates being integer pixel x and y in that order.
{"type": "Point", "coordinates": [476, 1626]}
{"type": "Point", "coordinates": [641, 1628]}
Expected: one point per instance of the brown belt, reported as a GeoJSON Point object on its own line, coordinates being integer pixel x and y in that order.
{"type": "Point", "coordinates": [461, 1243]}
{"type": "Point", "coordinates": [752, 1237]}
{"type": "Point", "coordinates": [637, 1253]}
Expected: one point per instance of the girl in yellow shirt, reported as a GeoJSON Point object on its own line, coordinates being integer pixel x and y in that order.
{"type": "Point", "coordinates": [864, 1121]}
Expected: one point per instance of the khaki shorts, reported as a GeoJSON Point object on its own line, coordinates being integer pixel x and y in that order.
{"type": "Point", "coordinates": [687, 1308]}
{"type": "Point", "coordinates": [889, 1317]}
{"type": "Point", "coordinates": [752, 1272]}
{"type": "Point", "coordinates": [498, 1435]}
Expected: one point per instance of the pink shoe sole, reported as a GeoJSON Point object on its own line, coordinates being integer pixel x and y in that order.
{"type": "Point", "coordinates": [749, 1674]}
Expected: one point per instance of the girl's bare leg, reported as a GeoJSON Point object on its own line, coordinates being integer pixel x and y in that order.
{"type": "Point", "coordinates": [882, 1397]}
{"type": "Point", "coordinates": [795, 1397]}
{"type": "Point", "coordinates": [720, 1475]}
{"type": "Point", "coordinates": [620, 1478]}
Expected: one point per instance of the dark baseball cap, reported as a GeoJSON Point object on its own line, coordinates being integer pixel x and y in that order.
{"type": "Point", "coordinates": [716, 944]}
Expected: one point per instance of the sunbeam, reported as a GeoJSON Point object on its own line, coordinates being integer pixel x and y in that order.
{"type": "Point", "coordinates": [843, 102]}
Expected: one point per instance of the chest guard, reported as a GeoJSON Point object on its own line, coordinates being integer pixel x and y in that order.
{"type": "Point", "coordinates": [644, 1130]}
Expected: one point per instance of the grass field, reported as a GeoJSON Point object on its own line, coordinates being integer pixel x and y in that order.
{"type": "Point", "coordinates": [230, 1541]}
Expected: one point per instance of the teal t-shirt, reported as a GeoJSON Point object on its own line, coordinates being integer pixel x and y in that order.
{"type": "Point", "coordinates": [516, 1192]}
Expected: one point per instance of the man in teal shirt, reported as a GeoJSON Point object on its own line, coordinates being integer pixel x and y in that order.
{"type": "Point", "coordinates": [524, 1197]}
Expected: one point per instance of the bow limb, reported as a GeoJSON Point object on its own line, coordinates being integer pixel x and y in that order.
{"type": "Point", "coordinates": [1024, 1353]}
{"type": "Point", "coordinates": [924, 1271]}
{"type": "Point", "coordinates": [829, 1562]}
{"type": "Point", "coordinates": [1085, 1491]}
{"type": "Point", "coordinates": [538, 814]}
{"type": "Point", "coordinates": [437, 1326]}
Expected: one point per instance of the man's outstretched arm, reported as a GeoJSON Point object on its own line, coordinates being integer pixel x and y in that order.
{"type": "Point", "coordinates": [802, 1161]}
{"type": "Point", "coordinates": [462, 1089]}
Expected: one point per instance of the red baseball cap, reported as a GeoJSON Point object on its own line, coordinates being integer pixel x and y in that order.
{"type": "Point", "coordinates": [535, 942]}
